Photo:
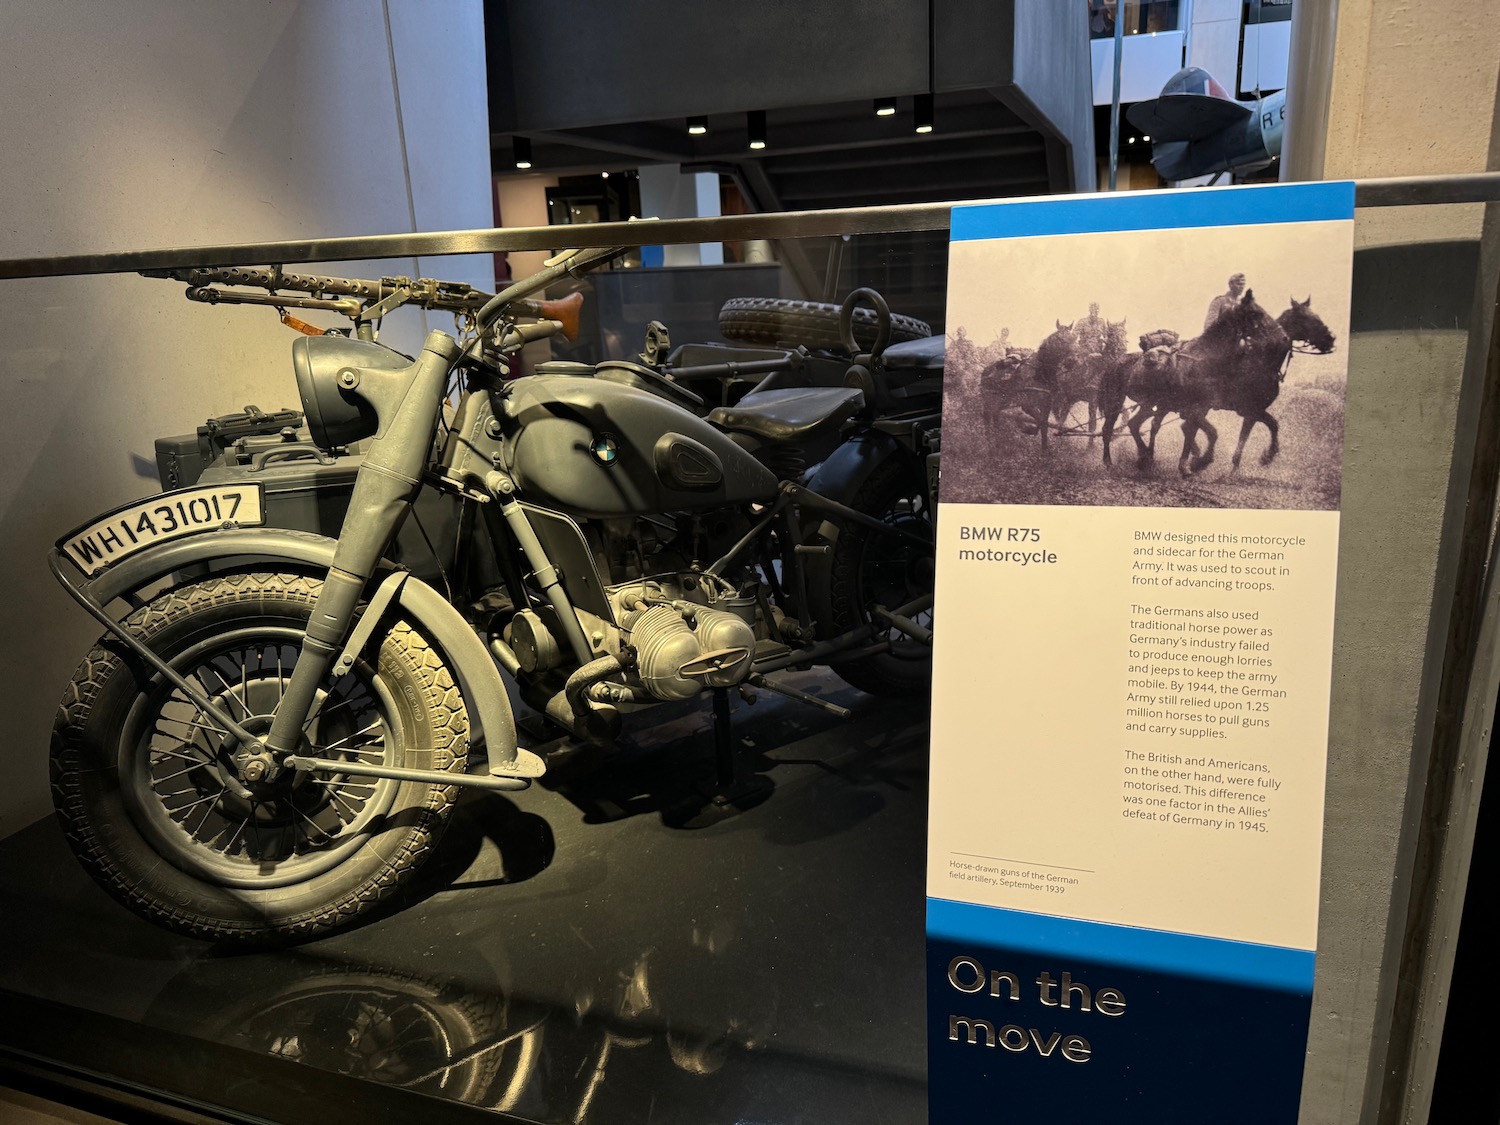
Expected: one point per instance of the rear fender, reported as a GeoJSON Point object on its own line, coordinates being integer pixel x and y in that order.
{"type": "Point", "coordinates": [478, 679]}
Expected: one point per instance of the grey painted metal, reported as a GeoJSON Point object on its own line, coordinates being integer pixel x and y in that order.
{"type": "Point", "coordinates": [498, 784]}
{"type": "Point", "coordinates": [1411, 191]}
{"type": "Point", "coordinates": [1400, 191]}
{"type": "Point", "coordinates": [503, 490]}
{"type": "Point", "coordinates": [406, 404]}
{"type": "Point", "coordinates": [478, 679]}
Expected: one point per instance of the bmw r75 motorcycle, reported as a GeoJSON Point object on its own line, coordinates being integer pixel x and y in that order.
{"type": "Point", "coordinates": [269, 736]}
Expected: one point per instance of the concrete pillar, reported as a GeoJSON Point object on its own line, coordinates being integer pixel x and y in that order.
{"type": "Point", "coordinates": [1391, 90]}
{"type": "Point", "coordinates": [667, 193]}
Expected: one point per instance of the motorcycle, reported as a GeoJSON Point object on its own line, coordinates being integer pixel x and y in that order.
{"type": "Point", "coordinates": [269, 737]}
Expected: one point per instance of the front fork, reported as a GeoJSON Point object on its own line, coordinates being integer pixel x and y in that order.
{"type": "Point", "coordinates": [407, 403]}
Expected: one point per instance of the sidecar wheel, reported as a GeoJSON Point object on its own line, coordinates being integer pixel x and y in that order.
{"type": "Point", "coordinates": [773, 321]}
{"type": "Point", "coordinates": [871, 569]}
{"type": "Point", "coordinates": [143, 787]}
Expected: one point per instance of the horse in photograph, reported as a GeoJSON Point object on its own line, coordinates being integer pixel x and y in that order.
{"type": "Point", "coordinates": [1044, 370]}
{"type": "Point", "coordinates": [1258, 365]}
{"type": "Point", "coordinates": [1305, 328]}
{"type": "Point", "coordinates": [1045, 377]}
{"type": "Point", "coordinates": [1241, 364]}
{"type": "Point", "coordinates": [1237, 364]}
{"type": "Point", "coordinates": [1111, 391]}
{"type": "Point", "coordinates": [1010, 384]}
{"type": "Point", "coordinates": [1079, 375]}
{"type": "Point", "coordinates": [1161, 380]}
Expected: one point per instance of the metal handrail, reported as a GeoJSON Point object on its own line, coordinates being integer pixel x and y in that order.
{"type": "Point", "coordinates": [1400, 191]}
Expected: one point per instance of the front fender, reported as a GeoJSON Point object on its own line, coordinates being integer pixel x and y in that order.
{"type": "Point", "coordinates": [478, 679]}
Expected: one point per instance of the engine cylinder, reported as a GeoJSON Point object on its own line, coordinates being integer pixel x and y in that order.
{"type": "Point", "coordinates": [666, 644]}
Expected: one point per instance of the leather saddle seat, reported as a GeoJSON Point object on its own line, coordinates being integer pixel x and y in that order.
{"type": "Point", "coordinates": [925, 354]}
{"type": "Point", "coordinates": [790, 414]}
{"type": "Point", "coordinates": [905, 377]}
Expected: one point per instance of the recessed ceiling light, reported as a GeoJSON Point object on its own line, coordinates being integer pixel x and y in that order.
{"type": "Point", "coordinates": [697, 126]}
{"type": "Point", "coordinates": [755, 125]}
{"type": "Point", "coordinates": [521, 148]}
{"type": "Point", "coordinates": [885, 107]}
{"type": "Point", "coordinates": [921, 112]}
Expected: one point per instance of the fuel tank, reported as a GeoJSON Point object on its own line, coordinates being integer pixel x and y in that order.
{"type": "Point", "coordinates": [596, 448]}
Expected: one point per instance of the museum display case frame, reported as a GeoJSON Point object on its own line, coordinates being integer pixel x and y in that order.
{"type": "Point", "coordinates": [1452, 685]}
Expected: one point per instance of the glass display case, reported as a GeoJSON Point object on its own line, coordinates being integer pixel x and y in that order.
{"type": "Point", "coordinates": [625, 939]}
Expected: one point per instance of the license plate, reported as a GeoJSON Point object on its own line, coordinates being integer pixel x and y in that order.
{"type": "Point", "coordinates": [172, 515]}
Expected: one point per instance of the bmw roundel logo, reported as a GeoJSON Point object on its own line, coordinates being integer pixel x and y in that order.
{"type": "Point", "coordinates": [604, 449]}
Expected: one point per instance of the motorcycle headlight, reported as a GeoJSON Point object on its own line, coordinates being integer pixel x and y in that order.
{"type": "Point", "coordinates": [329, 372]}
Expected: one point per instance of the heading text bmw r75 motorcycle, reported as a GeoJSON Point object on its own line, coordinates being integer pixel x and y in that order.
{"type": "Point", "coordinates": [268, 738]}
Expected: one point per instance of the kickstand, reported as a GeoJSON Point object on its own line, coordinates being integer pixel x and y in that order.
{"type": "Point", "coordinates": [731, 789]}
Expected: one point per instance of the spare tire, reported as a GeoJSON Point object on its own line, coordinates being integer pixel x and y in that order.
{"type": "Point", "coordinates": [811, 324]}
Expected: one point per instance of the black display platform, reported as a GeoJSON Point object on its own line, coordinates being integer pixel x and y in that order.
{"type": "Point", "coordinates": [608, 946]}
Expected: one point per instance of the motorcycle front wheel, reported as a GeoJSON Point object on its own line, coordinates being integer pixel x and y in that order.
{"type": "Point", "coordinates": [152, 807]}
{"type": "Point", "coordinates": [872, 569]}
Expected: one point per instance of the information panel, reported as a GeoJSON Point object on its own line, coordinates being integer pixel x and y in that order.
{"type": "Point", "coordinates": [1137, 539]}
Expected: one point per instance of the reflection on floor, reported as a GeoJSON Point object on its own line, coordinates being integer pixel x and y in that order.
{"type": "Point", "coordinates": [606, 947]}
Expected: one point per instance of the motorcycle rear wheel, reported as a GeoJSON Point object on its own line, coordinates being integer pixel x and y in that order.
{"type": "Point", "coordinates": [140, 781]}
{"type": "Point", "coordinates": [870, 569]}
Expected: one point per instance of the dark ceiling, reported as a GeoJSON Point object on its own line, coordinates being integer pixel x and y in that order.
{"type": "Point", "coordinates": [839, 155]}
{"type": "Point", "coordinates": [608, 84]}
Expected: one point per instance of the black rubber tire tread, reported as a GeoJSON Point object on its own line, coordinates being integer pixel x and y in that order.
{"type": "Point", "coordinates": [88, 798]}
{"type": "Point", "coordinates": [811, 324]}
{"type": "Point", "coordinates": [881, 674]}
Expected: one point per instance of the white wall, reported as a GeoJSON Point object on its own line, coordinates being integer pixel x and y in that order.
{"type": "Point", "coordinates": [1147, 62]}
{"type": "Point", "coordinates": [1214, 39]}
{"type": "Point", "coordinates": [521, 201]}
{"type": "Point", "coordinates": [179, 123]}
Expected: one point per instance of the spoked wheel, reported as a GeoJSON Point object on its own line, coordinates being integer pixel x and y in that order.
{"type": "Point", "coordinates": [183, 787]}
{"type": "Point", "coordinates": [872, 569]}
{"type": "Point", "coordinates": [154, 806]}
{"type": "Point", "coordinates": [396, 1029]}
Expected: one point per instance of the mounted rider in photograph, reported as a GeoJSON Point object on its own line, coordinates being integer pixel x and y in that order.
{"type": "Point", "coordinates": [1225, 301]}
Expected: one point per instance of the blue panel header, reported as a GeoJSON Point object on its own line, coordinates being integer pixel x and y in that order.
{"type": "Point", "coordinates": [1156, 210]}
{"type": "Point", "coordinates": [1183, 955]}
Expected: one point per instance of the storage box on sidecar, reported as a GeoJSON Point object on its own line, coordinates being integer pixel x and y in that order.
{"type": "Point", "coordinates": [306, 489]}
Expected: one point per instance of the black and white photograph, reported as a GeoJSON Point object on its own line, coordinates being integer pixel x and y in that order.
{"type": "Point", "coordinates": [1202, 367]}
